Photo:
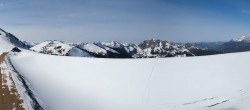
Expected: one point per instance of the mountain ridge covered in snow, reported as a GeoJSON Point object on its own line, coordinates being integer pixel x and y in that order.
{"type": "Point", "coordinates": [153, 48]}
{"type": "Point", "coordinates": [8, 41]}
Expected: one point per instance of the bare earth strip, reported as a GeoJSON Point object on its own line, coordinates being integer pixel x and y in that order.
{"type": "Point", "coordinates": [9, 98]}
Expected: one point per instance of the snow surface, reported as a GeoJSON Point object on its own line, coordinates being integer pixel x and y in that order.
{"type": "Point", "coordinates": [219, 82]}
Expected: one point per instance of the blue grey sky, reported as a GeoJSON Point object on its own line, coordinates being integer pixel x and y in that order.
{"type": "Point", "coordinates": [125, 20]}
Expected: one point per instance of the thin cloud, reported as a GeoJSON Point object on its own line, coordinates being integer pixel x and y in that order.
{"type": "Point", "coordinates": [245, 11]}
{"type": "Point", "coordinates": [6, 3]}
{"type": "Point", "coordinates": [71, 15]}
{"type": "Point", "coordinates": [2, 5]}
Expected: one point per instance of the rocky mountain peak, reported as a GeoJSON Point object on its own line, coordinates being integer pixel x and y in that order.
{"type": "Point", "coordinates": [153, 43]}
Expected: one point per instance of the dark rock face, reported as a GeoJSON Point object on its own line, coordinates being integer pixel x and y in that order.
{"type": "Point", "coordinates": [15, 49]}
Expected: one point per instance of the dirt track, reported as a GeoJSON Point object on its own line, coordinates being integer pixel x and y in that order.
{"type": "Point", "coordinates": [9, 98]}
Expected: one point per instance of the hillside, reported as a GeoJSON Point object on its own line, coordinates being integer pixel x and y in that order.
{"type": "Point", "coordinates": [218, 82]}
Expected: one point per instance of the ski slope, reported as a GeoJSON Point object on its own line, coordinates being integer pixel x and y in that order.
{"type": "Point", "coordinates": [219, 82]}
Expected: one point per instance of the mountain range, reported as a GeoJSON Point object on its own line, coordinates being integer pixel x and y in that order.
{"type": "Point", "coordinates": [153, 48]}
{"type": "Point", "coordinates": [147, 49]}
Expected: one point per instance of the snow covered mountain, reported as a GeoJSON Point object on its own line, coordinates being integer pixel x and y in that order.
{"type": "Point", "coordinates": [8, 41]}
{"type": "Point", "coordinates": [147, 49]}
{"type": "Point", "coordinates": [59, 48]}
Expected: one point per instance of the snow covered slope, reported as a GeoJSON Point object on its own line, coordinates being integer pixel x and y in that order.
{"type": "Point", "coordinates": [92, 48]}
{"type": "Point", "coordinates": [8, 41]}
{"type": "Point", "coordinates": [219, 82]}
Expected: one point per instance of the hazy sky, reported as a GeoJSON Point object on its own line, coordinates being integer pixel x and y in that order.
{"type": "Point", "coordinates": [125, 20]}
